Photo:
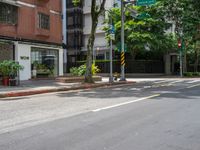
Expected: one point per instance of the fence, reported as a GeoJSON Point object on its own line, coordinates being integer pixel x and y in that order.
{"type": "Point", "coordinates": [131, 66]}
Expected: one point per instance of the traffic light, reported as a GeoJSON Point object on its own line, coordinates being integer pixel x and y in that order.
{"type": "Point", "coordinates": [179, 43]}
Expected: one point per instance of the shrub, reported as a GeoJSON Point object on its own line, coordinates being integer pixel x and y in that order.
{"type": "Point", "coordinates": [196, 73]}
{"type": "Point", "coordinates": [191, 74]}
{"type": "Point", "coordinates": [95, 69]}
{"type": "Point", "coordinates": [74, 71]}
{"type": "Point", "coordinates": [188, 74]}
{"type": "Point", "coordinates": [81, 70]}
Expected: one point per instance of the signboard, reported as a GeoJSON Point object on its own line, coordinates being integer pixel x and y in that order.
{"type": "Point", "coordinates": [24, 57]}
{"type": "Point", "coordinates": [119, 47]}
{"type": "Point", "coordinates": [112, 36]}
{"type": "Point", "coordinates": [143, 16]}
{"type": "Point", "coordinates": [112, 29]}
{"type": "Point", "coordinates": [145, 2]}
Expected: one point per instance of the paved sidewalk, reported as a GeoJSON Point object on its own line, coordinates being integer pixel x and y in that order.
{"type": "Point", "coordinates": [33, 87]}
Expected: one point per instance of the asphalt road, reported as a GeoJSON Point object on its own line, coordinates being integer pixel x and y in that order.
{"type": "Point", "coordinates": [150, 115]}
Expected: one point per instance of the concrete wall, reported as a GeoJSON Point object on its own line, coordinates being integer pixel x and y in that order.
{"type": "Point", "coordinates": [23, 50]}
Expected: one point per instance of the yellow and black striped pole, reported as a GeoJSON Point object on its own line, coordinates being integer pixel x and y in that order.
{"type": "Point", "coordinates": [122, 58]}
{"type": "Point", "coordinates": [122, 43]}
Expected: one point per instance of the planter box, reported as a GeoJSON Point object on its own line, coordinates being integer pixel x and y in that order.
{"type": "Point", "coordinates": [73, 79]}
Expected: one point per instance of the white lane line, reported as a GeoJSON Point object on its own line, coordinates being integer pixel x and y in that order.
{"type": "Point", "coordinates": [160, 82]}
{"type": "Point", "coordinates": [176, 81]}
{"type": "Point", "coordinates": [125, 103]}
{"type": "Point", "coordinates": [189, 87]}
{"type": "Point", "coordinates": [193, 81]}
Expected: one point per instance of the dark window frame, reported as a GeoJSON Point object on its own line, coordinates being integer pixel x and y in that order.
{"type": "Point", "coordinates": [8, 14]}
{"type": "Point", "coordinates": [43, 21]}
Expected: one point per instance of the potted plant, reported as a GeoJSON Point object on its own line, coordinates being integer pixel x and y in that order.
{"type": "Point", "coordinates": [14, 69]}
{"type": "Point", "coordinates": [5, 71]}
{"type": "Point", "coordinates": [9, 70]}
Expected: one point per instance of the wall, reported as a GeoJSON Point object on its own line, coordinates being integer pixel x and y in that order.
{"type": "Point", "coordinates": [27, 26]}
{"type": "Point", "coordinates": [23, 50]}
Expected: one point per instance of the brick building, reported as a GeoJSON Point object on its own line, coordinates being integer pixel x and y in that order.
{"type": "Point", "coordinates": [31, 34]}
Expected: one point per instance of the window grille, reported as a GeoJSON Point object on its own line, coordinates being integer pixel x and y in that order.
{"type": "Point", "coordinates": [8, 13]}
{"type": "Point", "coordinates": [44, 21]}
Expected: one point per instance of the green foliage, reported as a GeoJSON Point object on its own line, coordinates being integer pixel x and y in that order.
{"type": "Point", "coordinates": [81, 70]}
{"type": "Point", "coordinates": [146, 33]}
{"type": "Point", "coordinates": [75, 2]}
{"type": "Point", "coordinates": [191, 74]}
{"type": "Point", "coordinates": [74, 71]}
{"type": "Point", "coordinates": [196, 73]}
{"type": "Point", "coordinates": [8, 67]}
{"type": "Point", "coordinates": [95, 69]}
{"type": "Point", "coordinates": [188, 74]}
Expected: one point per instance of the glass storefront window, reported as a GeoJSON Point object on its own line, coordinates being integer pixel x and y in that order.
{"type": "Point", "coordinates": [44, 62]}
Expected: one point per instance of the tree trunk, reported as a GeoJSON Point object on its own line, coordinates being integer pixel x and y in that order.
{"type": "Point", "coordinates": [95, 13]}
{"type": "Point", "coordinates": [90, 46]}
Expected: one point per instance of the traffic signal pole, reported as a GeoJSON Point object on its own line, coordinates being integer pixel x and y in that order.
{"type": "Point", "coordinates": [181, 64]}
{"type": "Point", "coordinates": [180, 46]}
{"type": "Point", "coordinates": [122, 44]}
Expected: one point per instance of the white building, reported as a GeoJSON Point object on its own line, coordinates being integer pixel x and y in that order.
{"type": "Point", "coordinates": [101, 48]}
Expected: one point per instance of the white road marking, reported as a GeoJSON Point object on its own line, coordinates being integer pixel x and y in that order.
{"type": "Point", "coordinates": [147, 87]}
{"type": "Point", "coordinates": [189, 87]}
{"type": "Point", "coordinates": [193, 81]}
{"type": "Point", "coordinates": [125, 103]}
{"type": "Point", "coordinates": [160, 82]}
{"type": "Point", "coordinates": [176, 81]}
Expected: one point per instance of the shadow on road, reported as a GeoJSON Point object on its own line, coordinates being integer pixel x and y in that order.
{"type": "Point", "coordinates": [135, 91]}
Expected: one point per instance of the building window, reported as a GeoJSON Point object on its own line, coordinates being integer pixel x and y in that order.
{"type": "Point", "coordinates": [44, 21]}
{"type": "Point", "coordinates": [44, 62]}
{"type": "Point", "coordinates": [8, 13]}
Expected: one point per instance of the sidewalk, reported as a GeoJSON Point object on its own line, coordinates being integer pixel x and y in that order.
{"type": "Point", "coordinates": [33, 87]}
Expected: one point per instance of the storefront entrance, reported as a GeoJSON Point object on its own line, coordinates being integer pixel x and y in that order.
{"type": "Point", "coordinates": [44, 62]}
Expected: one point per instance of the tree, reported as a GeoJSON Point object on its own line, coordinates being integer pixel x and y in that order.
{"type": "Point", "coordinates": [144, 32]}
{"type": "Point", "coordinates": [97, 9]}
{"type": "Point", "coordinates": [186, 17]}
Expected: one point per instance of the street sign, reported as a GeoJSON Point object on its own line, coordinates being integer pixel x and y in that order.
{"type": "Point", "coordinates": [112, 36]}
{"type": "Point", "coordinates": [143, 16]}
{"type": "Point", "coordinates": [112, 29]}
{"type": "Point", "coordinates": [145, 2]}
{"type": "Point", "coordinates": [119, 47]}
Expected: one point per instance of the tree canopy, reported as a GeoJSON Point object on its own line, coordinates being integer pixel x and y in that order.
{"type": "Point", "coordinates": [150, 30]}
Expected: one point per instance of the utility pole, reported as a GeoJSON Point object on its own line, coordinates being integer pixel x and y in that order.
{"type": "Point", "coordinates": [180, 46]}
{"type": "Point", "coordinates": [122, 44]}
{"type": "Point", "coordinates": [112, 35]}
{"type": "Point", "coordinates": [111, 63]}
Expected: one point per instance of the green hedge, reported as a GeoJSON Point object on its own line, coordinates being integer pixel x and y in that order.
{"type": "Point", "coordinates": [191, 74]}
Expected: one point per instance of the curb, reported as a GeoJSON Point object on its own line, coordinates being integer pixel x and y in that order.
{"type": "Point", "coordinates": [81, 87]}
